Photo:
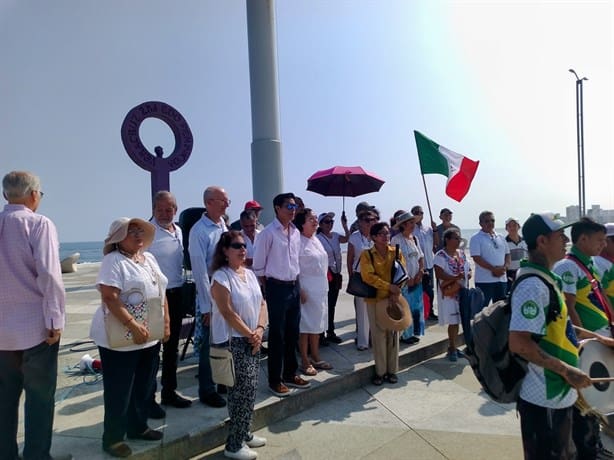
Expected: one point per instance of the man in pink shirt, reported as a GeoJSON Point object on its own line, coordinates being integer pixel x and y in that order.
{"type": "Point", "coordinates": [32, 305]}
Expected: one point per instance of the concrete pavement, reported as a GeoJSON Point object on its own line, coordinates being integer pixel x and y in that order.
{"type": "Point", "coordinates": [435, 411]}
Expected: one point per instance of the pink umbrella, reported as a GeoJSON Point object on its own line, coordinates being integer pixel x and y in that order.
{"type": "Point", "coordinates": [344, 181]}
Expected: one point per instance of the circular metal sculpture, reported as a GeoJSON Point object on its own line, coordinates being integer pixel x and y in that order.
{"type": "Point", "coordinates": [159, 166]}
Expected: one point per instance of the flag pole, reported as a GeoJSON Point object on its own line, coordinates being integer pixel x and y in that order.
{"type": "Point", "coordinates": [428, 202]}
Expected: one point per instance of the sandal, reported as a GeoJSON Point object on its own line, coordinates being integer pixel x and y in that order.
{"type": "Point", "coordinates": [309, 370]}
{"type": "Point", "coordinates": [322, 365]}
{"type": "Point", "coordinates": [377, 380]}
{"type": "Point", "coordinates": [119, 450]}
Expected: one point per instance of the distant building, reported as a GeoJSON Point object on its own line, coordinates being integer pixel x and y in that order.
{"type": "Point", "coordinates": [595, 212]}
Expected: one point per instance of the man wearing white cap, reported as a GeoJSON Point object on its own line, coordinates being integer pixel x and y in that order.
{"type": "Point", "coordinates": [544, 337]}
{"type": "Point", "coordinates": [517, 246]}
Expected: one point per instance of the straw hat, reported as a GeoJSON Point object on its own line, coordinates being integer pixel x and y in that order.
{"type": "Point", "coordinates": [119, 230]}
{"type": "Point", "coordinates": [393, 316]}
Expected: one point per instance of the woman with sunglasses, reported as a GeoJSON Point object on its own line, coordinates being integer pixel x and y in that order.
{"type": "Point", "coordinates": [130, 281]}
{"type": "Point", "coordinates": [238, 320]}
{"type": "Point", "coordinates": [332, 245]}
{"type": "Point", "coordinates": [453, 272]}
{"type": "Point", "coordinates": [359, 241]}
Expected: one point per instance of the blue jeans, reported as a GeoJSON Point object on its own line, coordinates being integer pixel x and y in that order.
{"type": "Point", "coordinates": [492, 291]}
{"type": "Point", "coordinates": [34, 370]}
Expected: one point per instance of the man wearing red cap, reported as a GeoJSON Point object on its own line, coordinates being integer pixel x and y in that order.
{"type": "Point", "coordinates": [251, 205]}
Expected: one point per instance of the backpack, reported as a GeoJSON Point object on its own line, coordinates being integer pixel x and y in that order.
{"type": "Point", "coordinates": [499, 371]}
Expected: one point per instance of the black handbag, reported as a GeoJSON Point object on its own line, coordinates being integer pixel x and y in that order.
{"type": "Point", "coordinates": [358, 288]}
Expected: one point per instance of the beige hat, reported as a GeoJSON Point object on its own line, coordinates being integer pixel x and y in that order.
{"type": "Point", "coordinates": [119, 230]}
{"type": "Point", "coordinates": [393, 316]}
{"type": "Point", "coordinates": [405, 217]}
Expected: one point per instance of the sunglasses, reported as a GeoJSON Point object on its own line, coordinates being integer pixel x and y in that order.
{"type": "Point", "coordinates": [328, 221]}
{"type": "Point", "coordinates": [291, 207]}
{"type": "Point", "coordinates": [383, 234]}
{"type": "Point", "coordinates": [369, 219]}
{"type": "Point", "coordinates": [238, 245]}
{"type": "Point", "coordinates": [418, 213]}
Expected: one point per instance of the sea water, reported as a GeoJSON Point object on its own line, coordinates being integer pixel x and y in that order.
{"type": "Point", "coordinates": [91, 251]}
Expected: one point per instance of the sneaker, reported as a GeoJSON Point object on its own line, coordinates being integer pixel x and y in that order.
{"type": "Point", "coordinates": [297, 382]}
{"type": "Point", "coordinates": [452, 356]}
{"type": "Point", "coordinates": [244, 453]}
{"type": "Point", "coordinates": [280, 390]}
{"type": "Point", "coordinates": [213, 399]}
{"type": "Point", "coordinates": [460, 354]}
{"type": "Point", "coordinates": [256, 441]}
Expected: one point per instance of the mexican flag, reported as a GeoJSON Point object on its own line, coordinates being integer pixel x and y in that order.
{"type": "Point", "coordinates": [436, 159]}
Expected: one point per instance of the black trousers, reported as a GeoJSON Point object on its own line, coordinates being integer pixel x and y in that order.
{"type": "Point", "coordinates": [128, 377]}
{"type": "Point", "coordinates": [546, 433]}
{"type": "Point", "coordinates": [34, 370]}
{"type": "Point", "coordinates": [334, 285]}
{"type": "Point", "coordinates": [170, 348]}
{"type": "Point", "coordinates": [586, 435]}
{"type": "Point", "coordinates": [283, 305]}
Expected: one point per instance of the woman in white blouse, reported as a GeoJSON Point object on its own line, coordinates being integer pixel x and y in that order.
{"type": "Point", "coordinates": [238, 316]}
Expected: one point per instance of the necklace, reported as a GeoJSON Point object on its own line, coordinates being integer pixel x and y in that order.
{"type": "Point", "coordinates": [133, 257]}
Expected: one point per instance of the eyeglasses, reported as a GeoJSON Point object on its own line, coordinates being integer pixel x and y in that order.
{"type": "Point", "coordinates": [418, 213]}
{"type": "Point", "coordinates": [238, 245]}
{"type": "Point", "coordinates": [494, 241]}
{"type": "Point", "coordinates": [42, 194]}
{"type": "Point", "coordinates": [489, 221]}
{"type": "Point", "coordinates": [226, 201]}
{"type": "Point", "coordinates": [369, 219]}
{"type": "Point", "coordinates": [383, 234]}
{"type": "Point", "coordinates": [328, 221]}
{"type": "Point", "coordinates": [136, 231]}
{"type": "Point", "coordinates": [291, 206]}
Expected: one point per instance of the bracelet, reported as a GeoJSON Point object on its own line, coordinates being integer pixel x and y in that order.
{"type": "Point", "coordinates": [129, 321]}
{"type": "Point", "coordinates": [263, 327]}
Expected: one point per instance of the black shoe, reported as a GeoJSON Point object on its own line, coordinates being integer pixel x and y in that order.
{"type": "Point", "coordinates": [334, 338]}
{"type": "Point", "coordinates": [213, 400]}
{"type": "Point", "coordinates": [155, 411]}
{"type": "Point", "coordinates": [264, 351]}
{"type": "Point", "coordinates": [433, 317]}
{"type": "Point", "coordinates": [222, 389]}
{"type": "Point", "coordinates": [176, 401]}
{"type": "Point", "coordinates": [413, 340]}
{"type": "Point", "coordinates": [147, 435]}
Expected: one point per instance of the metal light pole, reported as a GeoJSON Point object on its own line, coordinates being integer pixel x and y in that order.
{"type": "Point", "coordinates": [580, 131]}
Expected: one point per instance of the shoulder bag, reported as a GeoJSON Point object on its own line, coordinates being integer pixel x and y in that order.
{"type": "Point", "coordinates": [357, 287]}
{"type": "Point", "coordinates": [220, 358]}
{"type": "Point", "coordinates": [150, 313]}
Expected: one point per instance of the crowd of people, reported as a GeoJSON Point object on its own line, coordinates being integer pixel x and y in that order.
{"type": "Point", "coordinates": [284, 279]}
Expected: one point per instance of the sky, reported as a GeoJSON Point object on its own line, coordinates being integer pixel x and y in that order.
{"type": "Point", "coordinates": [488, 79]}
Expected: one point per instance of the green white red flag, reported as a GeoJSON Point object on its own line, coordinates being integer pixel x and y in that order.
{"type": "Point", "coordinates": [436, 159]}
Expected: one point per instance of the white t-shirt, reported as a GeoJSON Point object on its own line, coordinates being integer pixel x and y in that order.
{"type": "Point", "coordinates": [136, 282]}
{"type": "Point", "coordinates": [360, 243]}
{"type": "Point", "coordinates": [517, 252]}
{"type": "Point", "coordinates": [491, 248]}
{"type": "Point", "coordinates": [245, 299]}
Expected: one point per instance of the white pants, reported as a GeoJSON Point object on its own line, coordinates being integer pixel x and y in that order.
{"type": "Point", "coordinates": [362, 323]}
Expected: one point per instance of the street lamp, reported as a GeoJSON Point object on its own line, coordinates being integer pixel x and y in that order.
{"type": "Point", "coordinates": [580, 134]}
